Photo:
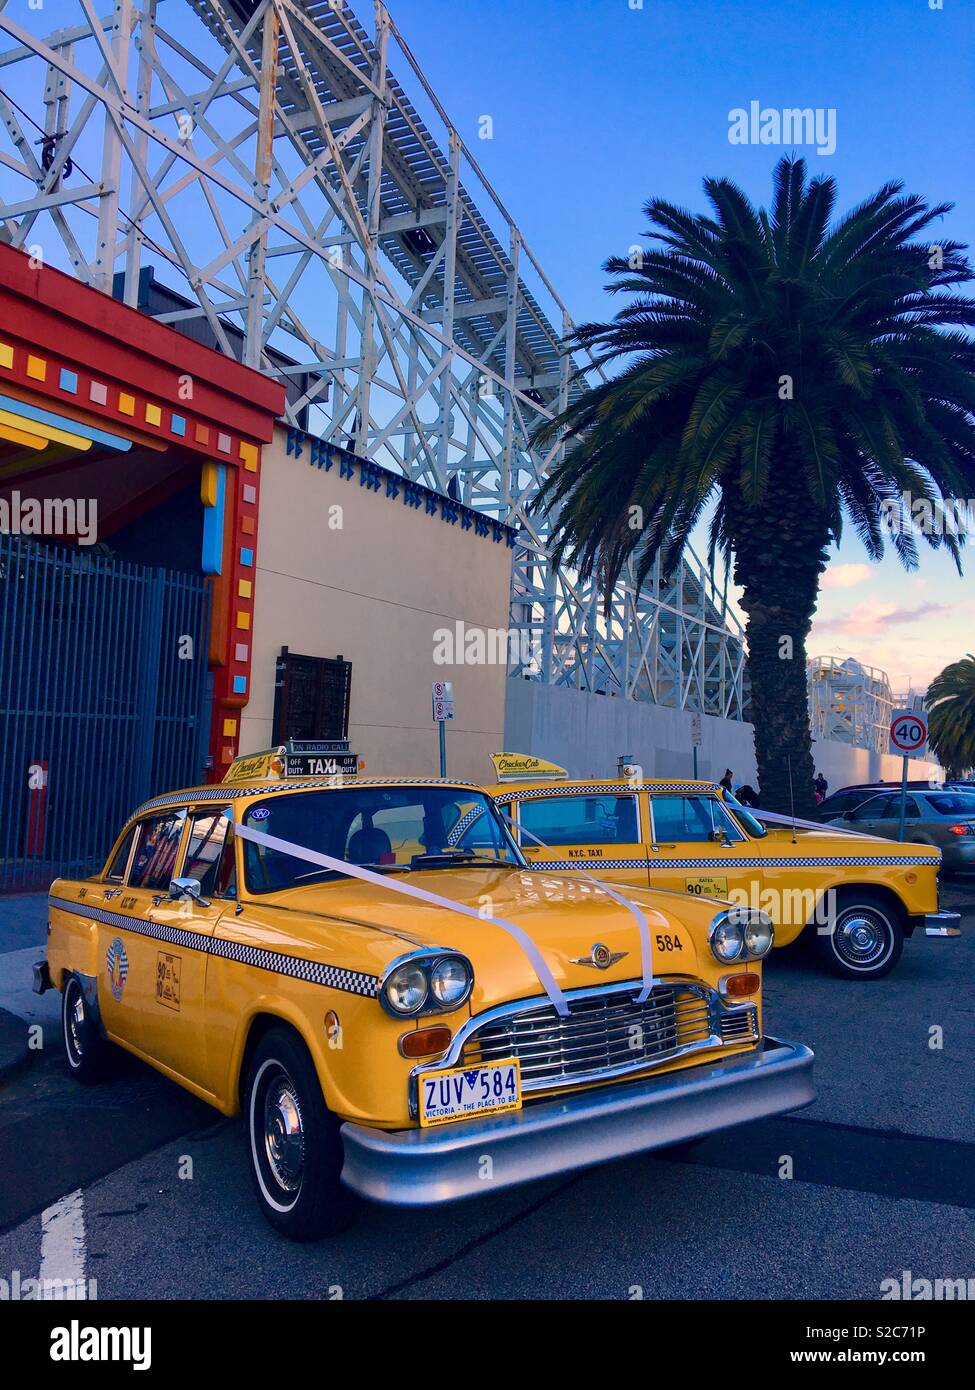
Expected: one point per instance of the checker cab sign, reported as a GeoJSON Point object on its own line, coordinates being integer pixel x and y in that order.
{"type": "Point", "coordinates": [374, 977]}
{"type": "Point", "coordinates": [862, 897]}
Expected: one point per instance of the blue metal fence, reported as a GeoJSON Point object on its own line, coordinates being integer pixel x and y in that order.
{"type": "Point", "coordinates": [104, 701]}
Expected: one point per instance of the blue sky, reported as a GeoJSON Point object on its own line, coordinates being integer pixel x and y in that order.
{"type": "Point", "coordinates": [596, 106]}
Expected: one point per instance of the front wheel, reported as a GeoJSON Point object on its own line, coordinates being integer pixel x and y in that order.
{"type": "Point", "coordinates": [294, 1142]}
{"type": "Point", "coordinates": [865, 939]}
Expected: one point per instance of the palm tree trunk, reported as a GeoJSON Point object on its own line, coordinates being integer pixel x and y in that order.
{"type": "Point", "coordinates": [780, 554]}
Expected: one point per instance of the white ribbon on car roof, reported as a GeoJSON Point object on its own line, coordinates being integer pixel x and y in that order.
{"type": "Point", "coordinates": [545, 977]}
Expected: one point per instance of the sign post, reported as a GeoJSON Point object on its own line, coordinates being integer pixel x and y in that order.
{"type": "Point", "coordinates": [908, 737]}
{"type": "Point", "coordinates": [697, 738]}
{"type": "Point", "coordinates": [443, 709]}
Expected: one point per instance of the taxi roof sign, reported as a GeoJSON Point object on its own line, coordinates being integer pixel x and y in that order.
{"type": "Point", "coordinates": [296, 758]}
{"type": "Point", "coordinates": [257, 767]}
{"type": "Point", "coordinates": [522, 767]}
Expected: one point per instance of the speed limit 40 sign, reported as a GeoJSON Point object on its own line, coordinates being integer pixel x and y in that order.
{"type": "Point", "coordinates": [908, 731]}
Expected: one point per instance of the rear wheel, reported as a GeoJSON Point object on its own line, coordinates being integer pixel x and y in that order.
{"type": "Point", "coordinates": [86, 1052]}
{"type": "Point", "coordinates": [865, 939]}
{"type": "Point", "coordinates": [294, 1142]}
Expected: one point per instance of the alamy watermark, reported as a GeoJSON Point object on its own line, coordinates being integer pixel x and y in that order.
{"type": "Point", "coordinates": [75, 517]}
{"type": "Point", "coordinates": [463, 645]}
{"type": "Point", "coordinates": [17, 1289]}
{"type": "Point", "coordinates": [908, 1286]}
{"type": "Point", "coordinates": [791, 126]}
{"type": "Point", "coordinates": [938, 516]}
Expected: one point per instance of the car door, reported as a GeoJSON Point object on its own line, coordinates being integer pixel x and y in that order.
{"type": "Point", "coordinates": [174, 1029]}
{"type": "Point", "coordinates": [889, 820]}
{"type": "Point", "coordinates": [118, 1002]}
{"type": "Point", "coordinates": [868, 817]}
{"type": "Point", "coordinates": [126, 955]}
{"type": "Point", "coordinates": [597, 830]}
{"type": "Point", "coordinates": [698, 848]}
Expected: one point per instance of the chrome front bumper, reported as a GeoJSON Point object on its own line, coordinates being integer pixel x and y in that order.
{"type": "Point", "coordinates": [942, 924]}
{"type": "Point", "coordinates": [424, 1167]}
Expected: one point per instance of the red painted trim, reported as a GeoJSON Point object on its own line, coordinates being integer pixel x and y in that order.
{"type": "Point", "coordinates": [62, 316]}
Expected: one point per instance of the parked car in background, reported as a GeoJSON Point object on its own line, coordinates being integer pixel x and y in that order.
{"type": "Point", "coordinates": [848, 798]}
{"type": "Point", "coordinates": [945, 819]}
{"type": "Point", "coordinates": [860, 898]}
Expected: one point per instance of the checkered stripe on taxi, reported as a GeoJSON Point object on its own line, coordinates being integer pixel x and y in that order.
{"type": "Point", "coordinates": [223, 791]}
{"type": "Point", "coordinates": [832, 861]}
{"type": "Point", "coordinates": [554, 789]}
{"type": "Point", "coordinates": [539, 864]}
{"type": "Point", "coordinates": [315, 972]}
{"type": "Point", "coordinates": [464, 823]}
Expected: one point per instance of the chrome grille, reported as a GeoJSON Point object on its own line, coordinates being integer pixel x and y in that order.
{"type": "Point", "coordinates": [739, 1025]}
{"type": "Point", "coordinates": [606, 1032]}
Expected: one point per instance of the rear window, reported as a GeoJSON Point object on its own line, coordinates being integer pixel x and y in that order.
{"type": "Point", "coordinates": [959, 805]}
{"type": "Point", "coordinates": [581, 820]}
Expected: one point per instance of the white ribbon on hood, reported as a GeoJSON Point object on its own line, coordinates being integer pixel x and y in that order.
{"type": "Point", "coordinates": [646, 948]}
{"type": "Point", "coordinates": [408, 890]}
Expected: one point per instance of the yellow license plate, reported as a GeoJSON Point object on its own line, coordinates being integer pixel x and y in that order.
{"type": "Point", "coordinates": [446, 1096]}
{"type": "Point", "coordinates": [707, 887]}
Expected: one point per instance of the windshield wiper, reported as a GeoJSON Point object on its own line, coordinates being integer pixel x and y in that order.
{"type": "Point", "coordinates": [446, 858]}
{"type": "Point", "coordinates": [337, 873]}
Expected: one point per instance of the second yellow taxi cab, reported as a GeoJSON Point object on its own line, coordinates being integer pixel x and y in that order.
{"type": "Point", "coordinates": [398, 1003]}
{"type": "Point", "coordinates": [860, 895]}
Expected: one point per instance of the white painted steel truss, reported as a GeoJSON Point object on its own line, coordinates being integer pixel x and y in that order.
{"type": "Point", "coordinates": [849, 702]}
{"type": "Point", "coordinates": [302, 214]}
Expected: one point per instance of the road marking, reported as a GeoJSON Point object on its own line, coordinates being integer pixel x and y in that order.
{"type": "Point", "coordinates": [63, 1246]}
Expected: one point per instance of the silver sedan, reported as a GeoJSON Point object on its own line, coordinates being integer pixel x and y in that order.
{"type": "Point", "coordinates": [945, 819]}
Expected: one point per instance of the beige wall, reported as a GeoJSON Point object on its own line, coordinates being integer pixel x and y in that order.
{"type": "Point", "coordinates": [374, 591]}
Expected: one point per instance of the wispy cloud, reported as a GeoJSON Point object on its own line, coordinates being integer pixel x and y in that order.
{"type": "Point", "coordinates": [869, 619]}
{"type": "Point", "coordinates": [845, 576]}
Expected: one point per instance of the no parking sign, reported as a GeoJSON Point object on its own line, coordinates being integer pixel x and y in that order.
{"type": "Point", "coordinates": [908, 732]}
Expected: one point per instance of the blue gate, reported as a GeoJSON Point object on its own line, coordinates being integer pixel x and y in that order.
{"type": "Point", "coordinates": [104, 701]}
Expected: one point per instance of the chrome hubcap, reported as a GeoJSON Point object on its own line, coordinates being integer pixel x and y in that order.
{"type": "Point", "coordinates": [74, 1016]}
{"type": "Point", "coordinates": [862, 938]}
{"type": "Point", "coordinates": [284, 1136]}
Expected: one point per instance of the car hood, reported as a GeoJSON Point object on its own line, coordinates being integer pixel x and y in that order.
{"type": "Point", "coordinates": [564, 916]}
{"type": "Point", "coordinates": [830, 841]}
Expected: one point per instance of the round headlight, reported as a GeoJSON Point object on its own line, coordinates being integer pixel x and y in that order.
{"type": "Point", "coordinates": [727, 939]}
{"type": "Point", "coordinates": [406, 989]}
{"type": "Point", "coordinates": [450, 981]}
{"type": "Point", "coordinates": [758, 934]}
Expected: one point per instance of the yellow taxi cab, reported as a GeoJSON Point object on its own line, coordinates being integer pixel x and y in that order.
{"type": "Point", "coordinates": [862, 896]}
{"type": "Point", "coordinates": [370, 972]}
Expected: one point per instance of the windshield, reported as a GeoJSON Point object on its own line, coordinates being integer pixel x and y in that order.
{"type": "Point", "coordinates": [752, 827]}
{"type": "Point", "coordinates": [387, 829]}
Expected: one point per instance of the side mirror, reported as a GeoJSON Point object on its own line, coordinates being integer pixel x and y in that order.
{"type": "Point", "coordinates": [187, 888]}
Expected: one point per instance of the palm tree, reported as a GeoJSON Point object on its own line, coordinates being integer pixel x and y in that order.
{"type": "Point", "coordinates": [789, 373]}
{"type": "Point", "coordinates": [951, 716]}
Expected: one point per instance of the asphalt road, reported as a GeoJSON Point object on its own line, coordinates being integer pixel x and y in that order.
{"type": "Point", "coordinates": [883, 1178]}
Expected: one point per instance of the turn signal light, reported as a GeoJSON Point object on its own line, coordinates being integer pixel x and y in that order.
{"type": "Point", "coordinates": [737, 985]}
{"type": "Point", "coordinates": [425, 1042]}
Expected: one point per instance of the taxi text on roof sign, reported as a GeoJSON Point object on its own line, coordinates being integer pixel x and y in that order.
{"type": "Point", "coordinates": [297, 758]}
